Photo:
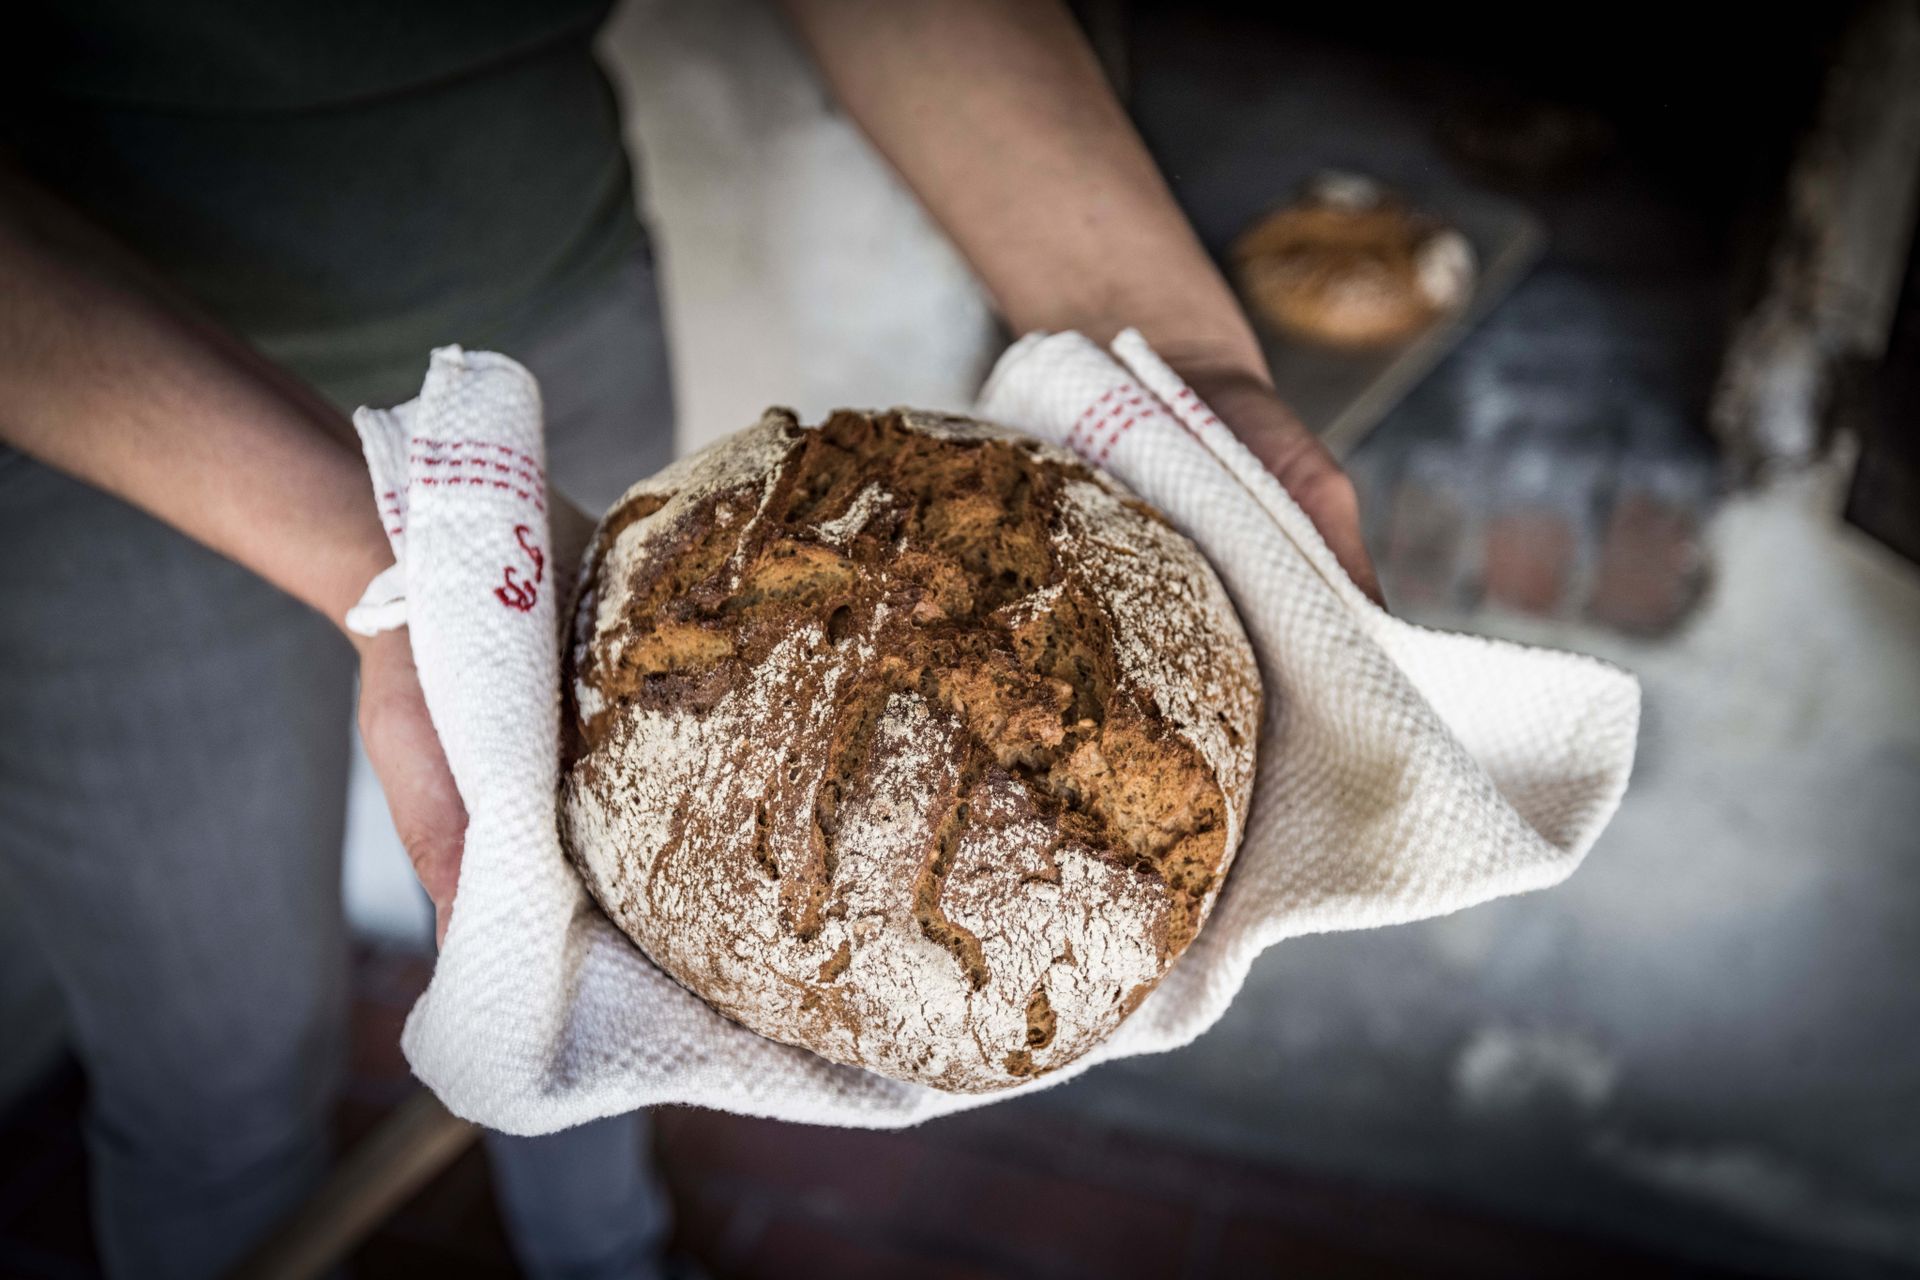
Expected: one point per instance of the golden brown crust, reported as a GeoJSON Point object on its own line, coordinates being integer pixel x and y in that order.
{"type": "Point", "coordinates": [1351, 272]}
{"type": "Point", "coordinates": [908, 761]}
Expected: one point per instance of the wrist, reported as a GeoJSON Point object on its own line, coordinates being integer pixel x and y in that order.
{"type": "Point", "coordinates": [1232, 364]}
{"type": "Point", "coordinates": [376, 652]}
{"type": "Point", "coordinates": [1185, 310]}
{"type": "Point", "coordinates": [337, 576]}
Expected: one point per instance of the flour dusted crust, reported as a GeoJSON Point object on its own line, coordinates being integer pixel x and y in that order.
{"type": "Point", "coordinates": [1350, 265]}
{"type": "Point", "coordinates": [906, 740]}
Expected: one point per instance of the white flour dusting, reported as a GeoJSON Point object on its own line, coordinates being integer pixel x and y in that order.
{"type": "Point", "coordinates": [687, 815]}
{"type": "Point", "coordinates": [840, 530]}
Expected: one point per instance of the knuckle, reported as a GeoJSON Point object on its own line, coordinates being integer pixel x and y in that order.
{"type": "Point", "coordinates": [434, 857]}
{"type": "Point", "coordinates": [1320, 483]}
{"type": "Point", "coordinates": [1336, 487]}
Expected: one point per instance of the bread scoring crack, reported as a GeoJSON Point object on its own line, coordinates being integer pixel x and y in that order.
{"type": "Point", "coordinates": [932, 880]}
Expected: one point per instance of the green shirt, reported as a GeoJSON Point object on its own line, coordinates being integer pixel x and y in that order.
{"type": "Point", "coordinates": [347, 183]}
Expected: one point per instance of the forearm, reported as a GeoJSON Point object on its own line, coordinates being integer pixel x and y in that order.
{"type": "Point", "coordinates": [107, 377]}
{"type": "Point", "coordinates": [997, 114]}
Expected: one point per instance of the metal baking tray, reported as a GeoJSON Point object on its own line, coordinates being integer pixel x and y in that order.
{"type": "Point", "coordinates": [1342, 395]}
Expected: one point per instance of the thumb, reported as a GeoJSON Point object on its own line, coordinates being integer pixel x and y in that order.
{"type": "Point", "coordinates": [1299, 461]}
{"type": "Point", "coordinates": [406, 756]}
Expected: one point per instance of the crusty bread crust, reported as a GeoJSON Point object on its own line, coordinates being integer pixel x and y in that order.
{"type": "Point", "coordinates": [905, 740]}
{"type": "Point", "coordinates": [1354, 272]}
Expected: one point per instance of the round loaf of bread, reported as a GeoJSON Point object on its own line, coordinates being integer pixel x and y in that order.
{"type": "Point", "coordinates": [1350, 265]}
{"type": "Point", "coordinates": [905, 739]}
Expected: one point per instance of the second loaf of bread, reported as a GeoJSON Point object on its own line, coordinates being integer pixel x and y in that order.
{"type": "Point", "coordinates": [906, 740]}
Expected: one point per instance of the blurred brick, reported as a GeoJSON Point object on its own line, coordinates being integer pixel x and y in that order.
{"type": "Point", "coordinates": [1652, 566]}
{"type": "Point", "coordinates": [1426, 533]}
{"type": "Point", "coordinates": [1528, 561]}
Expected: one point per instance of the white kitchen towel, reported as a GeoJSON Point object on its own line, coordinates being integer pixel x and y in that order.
{"type": "Point", "coordinates": [1403, 772]}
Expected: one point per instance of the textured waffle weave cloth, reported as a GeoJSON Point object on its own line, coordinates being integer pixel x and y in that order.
{"type": "Point", "coordinates": [1403, 772]}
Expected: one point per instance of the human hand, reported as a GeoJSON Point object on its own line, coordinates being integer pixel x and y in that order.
{"type": "Point", "coordinates": [407, 757]}
{"type": "Point", "coordinates": [405, 750]}
{"type": "Point", "coordinates": [1255, 413]}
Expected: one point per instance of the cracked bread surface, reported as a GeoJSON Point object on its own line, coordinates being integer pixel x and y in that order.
{"type": "Point", "coordinates": [906, 740]}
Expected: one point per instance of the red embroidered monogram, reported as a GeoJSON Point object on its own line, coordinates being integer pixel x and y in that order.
{"type": "Point", "coordinates": [514, 592]}
{"type": "Point", "coordinates": [520, 535]}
